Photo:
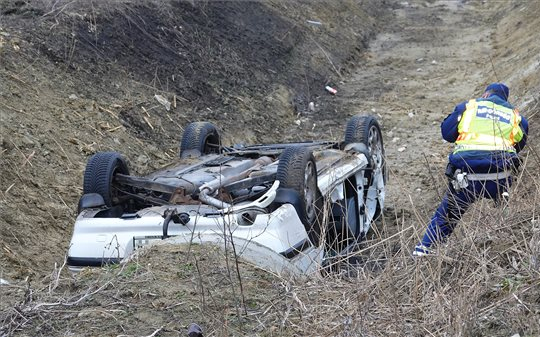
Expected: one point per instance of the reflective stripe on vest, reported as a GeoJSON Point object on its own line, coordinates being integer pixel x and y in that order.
{"type": "Point", "coordinates": [487, 126]}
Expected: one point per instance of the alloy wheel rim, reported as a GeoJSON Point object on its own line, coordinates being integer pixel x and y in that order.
{"type": "Point", "coordinates": [375, 146]}
{"type": "Point", "coordinates": [309, 190]}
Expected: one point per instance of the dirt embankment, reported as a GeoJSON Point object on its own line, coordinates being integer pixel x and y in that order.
{"type": "Point", "coordinates": [80, 78]}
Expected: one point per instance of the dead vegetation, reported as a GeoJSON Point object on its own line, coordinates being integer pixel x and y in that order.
{"type": "Point", "coordinates": [484, 281]}
{"type": "Point", "coordinates": [65, 93]}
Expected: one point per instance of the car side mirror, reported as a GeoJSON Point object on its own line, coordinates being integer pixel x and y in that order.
{"type": "Point", "coordinates": [90, 200]}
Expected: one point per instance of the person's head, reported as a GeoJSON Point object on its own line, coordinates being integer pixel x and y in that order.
{"type": "Point", "coordinates": [499, 89]}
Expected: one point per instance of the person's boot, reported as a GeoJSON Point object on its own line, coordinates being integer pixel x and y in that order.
{"type": "Point", "coordinates": [420, 250]}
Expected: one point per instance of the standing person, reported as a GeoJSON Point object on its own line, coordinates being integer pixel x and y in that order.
{"type": "Point", "coordinates": [488, 133]}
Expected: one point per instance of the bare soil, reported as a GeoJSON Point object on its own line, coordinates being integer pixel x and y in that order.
{"type": "Point", "coordinates": [80, 77]}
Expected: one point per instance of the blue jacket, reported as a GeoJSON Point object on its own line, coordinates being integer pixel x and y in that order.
{"type": "Point", "coordinates": [481, 161]}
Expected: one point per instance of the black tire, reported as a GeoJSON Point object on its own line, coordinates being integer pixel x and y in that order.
{"type": "Point", "coordinates": [99, 173]}
{"type": "Point", "coordinates": [199, 138]}
{"type": "Point", "coordinates": [366, 130]}
{"type": "Point", "coordinates": [297, 171]}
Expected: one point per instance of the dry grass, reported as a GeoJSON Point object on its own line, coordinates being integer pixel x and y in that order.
{"type": "Point", "coordinates": [484, 281]}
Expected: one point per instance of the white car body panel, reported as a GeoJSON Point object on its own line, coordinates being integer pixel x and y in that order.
{"type": "Point", "coordinates": [275, 241]}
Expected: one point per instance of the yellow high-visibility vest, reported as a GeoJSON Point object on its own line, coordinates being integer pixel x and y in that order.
{"type": "Point", "coordinates": [489, 127]}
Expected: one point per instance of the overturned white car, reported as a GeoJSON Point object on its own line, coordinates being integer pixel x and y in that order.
{"type": "Point", "coordinates": [285, 207]}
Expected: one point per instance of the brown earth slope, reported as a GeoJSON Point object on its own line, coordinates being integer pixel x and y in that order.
{"type": "Point", "coordinates": [79, 78]}
{"type": "Point", "coordinates": [76, 78]}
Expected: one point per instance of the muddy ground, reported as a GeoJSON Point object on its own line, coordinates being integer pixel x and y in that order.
{"type": "Point", "coordinates": [80, 77]}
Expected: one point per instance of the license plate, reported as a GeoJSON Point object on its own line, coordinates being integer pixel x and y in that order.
{"type": "Point", "coordinates": [141, 241]}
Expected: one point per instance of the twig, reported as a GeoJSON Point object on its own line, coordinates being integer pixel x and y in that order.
{"type": "Point", "coordinates": [493, 68]}
{"type": "Point", "coordinates": [431, 175]}
{"type": "Point", "coordinates": [238, 271]}
{"type": "Point", "coordinates": [201, 278]}
{"type": "Point", "coordinates": [114, 129]}
{"type": "Point", "coordinates": [155, 332]}
{"type": "Point", "coordinates": [27, 159]}
{"type": "Point", "coordinates": [227, 263]}
{"type": "Point", "coordinates": [67, 304]}
{"type": "Point", "coordinates": [17, 79]}
{"type": "Point", "coordinates": [60, 10]}
{"type": "Point", "coordinates": [56, 275]}
{"type": "Point", "coordinates": [109, 111]}
{"type": "Point", "coordinates": [11, 108]}
{"type": "Point", "coordinates": [537, 157]}
{"type": "Point", "coordinates": [327, 57]}
{"type": "Point", "coordinates": [61, 148]}
{"type": "Point", "coordinates": [490, 307]}
{"type": "Point", "coordinates": [148, 122]}
{"type": "Point", "coordinates": [145, 111]}
{"type": "Point", "coordinates": [9, 188]}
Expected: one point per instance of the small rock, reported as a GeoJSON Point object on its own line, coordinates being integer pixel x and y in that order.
{"type": "Point", "coordinates": [401, 149]}
{"type": "Point", "coordinates": [27, 141]}
{"type": "Point", "coordinates": [420, 60]}
{"type": "Point", "coordinates": [373, 109]}
{"type": "Point", "coordinates": [142, 159]}
{"type": "Point", "coordinates": [311, 106]}
{"type": "Point", "coordinates": [73, 97]}
{"type": "Point", "coordinates": [419, 69]}
{"type": "Point", "coordinates": [297, 122]}
{"type": "Point", "coordinates": [395, 139]}
{"type": "Point", "coordinates": [411, 114]}
{"type": "Point", "coordinates": [90, 107]}
{"type": "Point", "coordinates": [433, 62]}
{"type": "Point", "coordinates": [419, 190]}
{"type": "Point", "coordinates": [3, 282]}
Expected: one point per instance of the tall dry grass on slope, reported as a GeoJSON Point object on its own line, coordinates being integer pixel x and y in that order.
{"type": "Point", "coordinates": [485, 281]}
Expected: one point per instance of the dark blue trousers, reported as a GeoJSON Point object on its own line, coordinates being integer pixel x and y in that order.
{"type": "Point", "coordinates": [456, 203]}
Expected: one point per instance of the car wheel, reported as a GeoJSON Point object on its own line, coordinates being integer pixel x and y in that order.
{"type": "Point", "coordinates": [199, 138]}
{"type": "Point", "coordinates": [297, 171]}
{"type": "Point", "coordinates": [366, 130]}
{"type": "Point", "coordinates": [99, 173]}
